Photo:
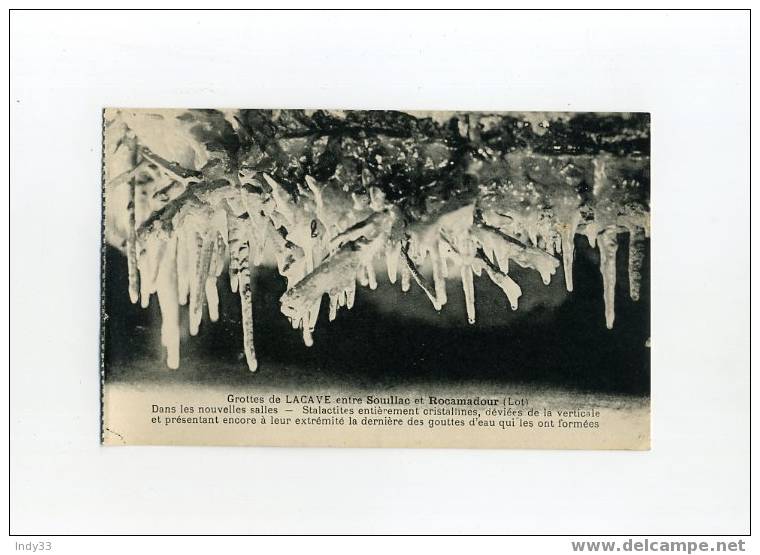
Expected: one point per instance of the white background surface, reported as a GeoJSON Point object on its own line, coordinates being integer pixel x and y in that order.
{"type": "Point", "coordinates": [690, 70]}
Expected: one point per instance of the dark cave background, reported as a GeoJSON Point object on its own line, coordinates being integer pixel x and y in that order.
{"type": "Point", "coordinates": [555, 340]}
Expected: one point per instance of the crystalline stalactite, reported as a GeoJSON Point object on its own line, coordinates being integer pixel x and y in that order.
{"type": "Point", "coordinates": [216, 248]}
{"type": "Point", "coordinates": [233, 228]}
{"type": "Point", "coordinates": [210, 291]}
{"type": "Point", "coordinates": [568, 218]}
{"type": "Point", "coordinates": [466, 250]}
{"type": "Point", "coordinates": [326, 214]}
{"type": "Point", "coordinates": [505, 283]}
{"type": "Point", "coordinates": [246, 306]}
{"type": "Point", "coordinates": [350, 295]}
{"type": "Point", "coordinates": [392, 254]}
{"type": "Point", "coordinates": [258, 226]}
{"type": "Point", "coordinates": [443, 251]}
{"type": "Point", "coordinates": [469, 292]}
{"type": "Point", "coordinates": [337, 274]}
{"type": "Point", "coordinates": [198, 289]}
{"type": "Point", "coordinates": [635, 261]}
{"type": "Point", "coordinates": [183, 266]}
{"type": "Point", "coordinates": [168, 300]}
{"type": "Point", "coordinates": [439, 281]}
{"type": "Point", "coordinates": [212, 299]}
{"type": "Point", "coordinates": [568, 249]}
{"type": "Point", "coordinates": [333, 307]}
{"type": "Point", "coordinates": [418, 277]}
{"type": "Point", "coordinates": [361, 276]}
{"type": "Point", "coordinates": [506, 248]}
{"type": "Point", "coordinates": [151, 250]}
{"type": "Point", "coordinates": [132, 245]}
{"type": "Point", "coordinates": [608, 245]}
{"type": "Point", "coordinates": [406, 278]}
{"type": "Point", "coordinates": [220, 254]}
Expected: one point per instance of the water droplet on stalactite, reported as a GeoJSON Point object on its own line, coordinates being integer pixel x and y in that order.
{"type": "Point", "coordinates": [246, 306]}
{"type": "Point", "coordinates": [168, 301]}
{"type": "Point", "coordinates": [608, 245]}
{"type": "Point", "coordinates": [635, 262]}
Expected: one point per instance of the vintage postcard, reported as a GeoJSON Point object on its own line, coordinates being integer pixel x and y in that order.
{"type": "Point", "coordinates": [376, 278]}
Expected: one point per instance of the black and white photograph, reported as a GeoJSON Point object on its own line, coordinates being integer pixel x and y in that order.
{"type": "Point", "coordinates": [403, 274]}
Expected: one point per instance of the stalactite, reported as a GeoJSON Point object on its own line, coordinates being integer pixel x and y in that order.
{"type": "Point", "coordinates": [325, 231]}
{"type": "Point", "coordinates": [418, 277]}
{"type": "Point", "coordinates": [246, 307]}
{"type": "Point", "coordinates": [635, 261]}
{"type": "Point", "coordinates": [392, 254]}
{"type": "Point", "coordinates": [212, 299]}
{"type": "Point", "coordinates": [234, 246]}
{"type": "Point", "coordinates": [505, 283]}
{"type": "Point", "coordinates": [567, 245]}
{"type": "Point", "coordinates": [439, 281]}
{"type": "Point", "coordinates": [132, 244]}
{"type": "Point", "coordinates": [608, 245]}
{"type": "Point", "coordinates": [183, 266]}
{"type": "Point", "coordinates": [469, 292]}
{"type": "Point", "coordinates": [406, 278]}
{"type": "Point", "coordinates": [168, 300]}
{"type": "Point", "coordinates": [198, 288]}
{"type": "Point", "coordinates": [148, 264]}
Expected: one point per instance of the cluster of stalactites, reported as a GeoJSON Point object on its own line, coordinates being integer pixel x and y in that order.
{"type": "Point", "coordinates": [325, 241]}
